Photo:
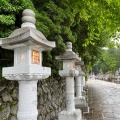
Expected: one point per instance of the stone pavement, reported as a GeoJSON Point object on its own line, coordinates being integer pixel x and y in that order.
{"type": "Point", "coordinates": [103, 100]}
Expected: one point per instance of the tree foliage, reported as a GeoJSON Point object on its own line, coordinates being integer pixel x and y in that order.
{"type": "Point", "coordinates": [109, 62]}
{"type": "Point", "coordinates": [88, 24]}
{"type": "Point", "coordinates": [99, 20]}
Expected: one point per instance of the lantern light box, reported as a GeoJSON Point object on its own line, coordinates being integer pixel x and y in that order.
{"type": "Point", "coordinates": [69, 65]}
{"type": "Point", "coordinates": [27, 56]}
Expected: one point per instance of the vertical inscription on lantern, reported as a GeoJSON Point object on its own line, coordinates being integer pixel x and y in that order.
{"type": "Point", "coordinates": [35, 57]}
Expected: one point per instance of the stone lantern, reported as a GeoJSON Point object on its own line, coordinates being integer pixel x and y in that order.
{"type": "Point", "coordinates": [28, 44]}
{"type": "Point", "coordinates": [80, 100]}
{"type": "Point", "coordinates": [69, 58]}
{"type": "Point", "coordinates": [83, 78]}
{"type": "Point", "coordinates": [118, 76]}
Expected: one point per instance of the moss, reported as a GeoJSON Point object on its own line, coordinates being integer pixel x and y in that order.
{"type": "Point", "coordinates": [13, 103]}
{"type": "Point", "coordinates": [2, 107]}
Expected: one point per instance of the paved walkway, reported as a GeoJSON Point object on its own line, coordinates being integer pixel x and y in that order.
{"type": "Point", "coordinates": [104, 100]}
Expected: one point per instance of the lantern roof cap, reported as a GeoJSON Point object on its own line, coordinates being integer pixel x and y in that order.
{"type": "Point", "coordinates": [68, 54]}
{"type": "Point", "coordinates": [27, 35]}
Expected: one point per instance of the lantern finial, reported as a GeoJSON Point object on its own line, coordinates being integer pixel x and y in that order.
{"type": "Point", "coordinates": [68, 46]}
{"type": "Point", "coordinates": [28, 19]}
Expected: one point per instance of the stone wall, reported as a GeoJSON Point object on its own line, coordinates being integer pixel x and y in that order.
{"type": "Point", "coordinates": [51, 99]}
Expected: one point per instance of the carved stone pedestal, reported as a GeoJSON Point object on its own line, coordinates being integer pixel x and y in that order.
{"type": "Point", "coordinates": [70, 115]}
{"type": "Point", "coordinates": [27, 105]}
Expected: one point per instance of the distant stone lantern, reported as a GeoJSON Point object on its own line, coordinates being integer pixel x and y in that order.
{"type": "Point", "coordinates": [83, 78]}
{"type": "Point", "coordinates": [69, 58]}
{"type": "Point", "coordinates": [118, 76]}
{"type": "Point", "coordinates": [80, 100]}
{"type": "Point", "coordinates": [28, 44]}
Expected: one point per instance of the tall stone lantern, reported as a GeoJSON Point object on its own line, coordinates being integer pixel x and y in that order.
{"type": "Point", "coordinates": [69, 58]}
{"type": "Point", "coordinates": [83, 78]}
{"type": "Point", "coordinates": [84, 99]}
{"type": "Point", "coordinates": [80, 100]}
{"type": "Point", "coordinates": [28, 44]}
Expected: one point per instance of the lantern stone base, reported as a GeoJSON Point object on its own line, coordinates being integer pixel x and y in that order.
{"type": "Point", "coordinates": [83, 107]}
{"type": "Point", "coordinates": [70, 115]}
{"type": "Point", "coordinates": [80, 102]}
